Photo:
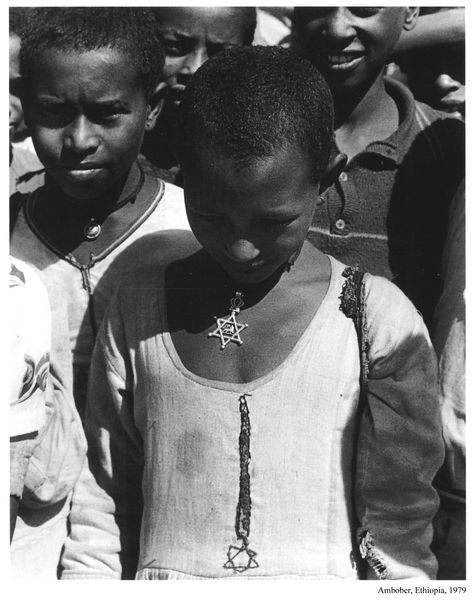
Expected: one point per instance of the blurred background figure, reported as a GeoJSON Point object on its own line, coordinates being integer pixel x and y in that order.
{"type": "Point", "coordinates": [449, 340]}
{"type": "Point", "coordinates": [273, 26]}
{"type": "Point", "coordinates": [26, 171]}
{"type": "Point", "coordinates": [18, 130]}
{"type": "Point", "coordinates": [433, 67]}
{"type": "Point", "coordinates": [191, 35]}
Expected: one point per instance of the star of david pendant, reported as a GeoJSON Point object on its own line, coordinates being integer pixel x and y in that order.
{"type": "Point", "coordinates": [228, 329]}
{"type": "Point", "coordinates": [240, 559]}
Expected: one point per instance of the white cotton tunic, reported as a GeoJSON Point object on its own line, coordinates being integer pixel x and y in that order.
{"type": "Point", "coordinates": [159, 433]}
{"type": "Point", "coordinates": [81, 295]}
{"type": "Point", "coordinates": [301, 420]}
{"type": "Point", "coordinates": [88, 289]}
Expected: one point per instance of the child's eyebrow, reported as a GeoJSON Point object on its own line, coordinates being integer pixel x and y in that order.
{"type": "Point", "coordinates": [220, 41]}
{"type": "Point", "coordinates": [109, 102]}
{"type": "Point", "coordinates": [175, 32]}
{"type": "Point", "coordinates": [45, 99]}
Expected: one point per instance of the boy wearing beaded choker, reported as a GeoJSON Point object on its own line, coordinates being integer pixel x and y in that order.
{"type": "Point", "coordinates": [91, 87]}
{"type": "Point", "coordinates": [225, 438]}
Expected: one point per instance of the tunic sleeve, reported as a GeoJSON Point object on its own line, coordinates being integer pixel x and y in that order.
{"type": "Point", "coordinates": [107, 501]}
{"type": "Point", "coordinates": [400, 446]}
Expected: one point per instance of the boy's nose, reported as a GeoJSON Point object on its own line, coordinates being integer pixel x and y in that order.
{"type": "Point", "coordinates": [81, 137]}
{"type": "Point", "coordinates": [339, 24]}
{"type": "Point", "coordinates": [445, 83]}
{"type": "Point", "coordinates": [242, 251]}
{"type": "Point", "coordinates": [193, 61]}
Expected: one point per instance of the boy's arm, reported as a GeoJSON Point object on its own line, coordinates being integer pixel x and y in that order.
{"type": "Point", "coordinates": [440, 28]}
{"type": "Point", "coordinates": [106, 506]}
{"type": "Point", "coordinates": [400, 446]}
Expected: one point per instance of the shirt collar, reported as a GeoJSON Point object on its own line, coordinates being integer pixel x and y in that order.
{"type": "Point", "coordinates": [397, 144]}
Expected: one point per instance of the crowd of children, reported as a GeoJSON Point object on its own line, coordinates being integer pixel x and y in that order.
{"type": "Point", "coordinates": [253, 405]}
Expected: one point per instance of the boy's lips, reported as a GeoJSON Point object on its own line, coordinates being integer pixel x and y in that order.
{"type": "Point", "coordinates": [82, 173]}
{"type": "Point", "coordinates": [245, 272]}
{"type": "Point", "coordinates": [341, 61]}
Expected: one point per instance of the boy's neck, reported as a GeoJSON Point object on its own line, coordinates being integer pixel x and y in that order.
{"type": "Point", "coordinates": [103, 205]}
{"type": "Point", "coordinates": [63, 220]}
{"type": "Point", "coordinates": [311, 265]}
{"type": "Point", "coordinates": [364, 117]}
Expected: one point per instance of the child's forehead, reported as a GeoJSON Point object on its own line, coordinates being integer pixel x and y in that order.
{"type": "Point", "coordinates": [103, 71]}
{"type": "Point", "coordinates": [54, 60]}
{"type": "Point", "coordinates": [107, 53]}
{"type": "Point", "coordinates": [194, 18]}
{"type": "Point", "coordinates": [214, 161]}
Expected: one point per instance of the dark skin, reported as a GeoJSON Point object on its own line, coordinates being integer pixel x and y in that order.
{"type": "Point", "coordinates": [62, 219]}
{"type": "Point", "coordinates": [251, 221]}
{"type": "Point", "coordinates": [350, 46]}
{"type": "Point", "coordinates": [269, 338]}
{"type": "Point", "coordinates": [87, 114]}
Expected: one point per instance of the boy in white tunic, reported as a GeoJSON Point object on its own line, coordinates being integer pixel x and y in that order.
{"type": "Point", "coordinates": [91, 87]}
{"type": "Point", "coordinates": [225, 434]}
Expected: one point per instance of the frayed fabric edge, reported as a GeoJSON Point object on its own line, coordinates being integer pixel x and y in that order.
{"type": "Point", "coordinates": [370, 554]}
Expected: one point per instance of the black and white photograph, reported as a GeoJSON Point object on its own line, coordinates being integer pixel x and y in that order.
{"type": "Point", "coordinates": [236, 304]}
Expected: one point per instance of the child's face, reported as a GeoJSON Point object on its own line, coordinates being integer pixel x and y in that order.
{"type": "Point", "coordinates": [17, 125]}
{"type": "Point", "coordinates": [350, 45]}
{"type": "Point", "coordinates": [252, 219]}
{"type": "Point", "coordinates": [191, 36]}
{"type": "Point", "coordinates": [87, 116]}
{"type": "Point", "coordinates": [436, 75]}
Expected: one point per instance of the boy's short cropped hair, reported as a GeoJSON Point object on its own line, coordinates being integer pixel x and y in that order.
{"type": "Point", "coordinates": [251, 101]}
{"type": "Point", "coordinates": [18, 19]}
{"type": "Point", "coordinates": [131, 31]}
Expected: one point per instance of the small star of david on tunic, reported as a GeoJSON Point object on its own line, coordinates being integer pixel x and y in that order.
{"type": "Point", "coordinates": [240, 559]}
{"type": "Point", "coordinates": [228, 329]}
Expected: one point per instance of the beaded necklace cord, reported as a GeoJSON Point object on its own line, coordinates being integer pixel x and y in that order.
{"type": "Point", "coordinates": [240, 559]}
{"type": "Point", "coordinates": [93, 228]}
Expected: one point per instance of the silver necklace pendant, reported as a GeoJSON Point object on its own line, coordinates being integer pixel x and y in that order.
{"type": "Point", "coordinates": [92, 230]}
{"type": "Point", "coordinates": [228, 328]}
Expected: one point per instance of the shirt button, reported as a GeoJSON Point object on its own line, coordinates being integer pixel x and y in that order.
{"type": "Point", "coordinates": [343, 176]}
{"type": "Point", "coordinates": [340, 224]}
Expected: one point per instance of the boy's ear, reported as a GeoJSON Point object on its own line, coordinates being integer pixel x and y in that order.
{"type": "Point", "coordinates": [411, 17]}
{"type": "Point", "coordinates": [155, 106]}
{"type": "Point", "coordinates": [335, 166]}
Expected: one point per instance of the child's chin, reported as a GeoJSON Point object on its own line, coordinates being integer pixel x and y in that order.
{"type": "Point", "coordinates": [251, 276]}
{"type": "Point", "coordinates": [82, 192]}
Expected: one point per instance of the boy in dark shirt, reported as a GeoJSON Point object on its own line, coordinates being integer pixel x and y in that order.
{"type": "Point", "coordinates": [388, 211]}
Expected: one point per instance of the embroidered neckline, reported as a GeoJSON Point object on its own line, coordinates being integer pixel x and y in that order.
{"type": "Point", "coordinates": [30, 204]}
